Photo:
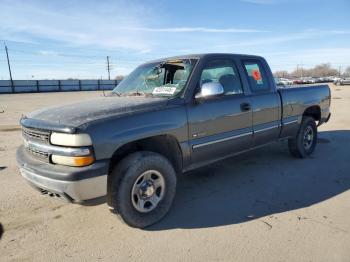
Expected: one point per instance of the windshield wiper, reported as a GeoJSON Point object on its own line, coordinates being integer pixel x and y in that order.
{"type": "Point", "coordinates": [115, 94]}
{"type": "Point", "coordinates": [136, 93]}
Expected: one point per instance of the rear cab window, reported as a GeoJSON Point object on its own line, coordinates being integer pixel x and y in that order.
{"type": "Point", "coordinates": [257, 77]}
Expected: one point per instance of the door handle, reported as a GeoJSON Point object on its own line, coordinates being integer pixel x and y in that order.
{"type": "Point", "coordinates": [245, 107]}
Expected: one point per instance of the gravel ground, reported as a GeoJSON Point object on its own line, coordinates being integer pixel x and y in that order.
{"type": "Point", "coordinates": [260, 206]}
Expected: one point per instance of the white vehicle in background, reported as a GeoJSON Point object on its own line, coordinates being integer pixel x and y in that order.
{"type": "Point", "coordinates": [308, 80]}
{"type": "Point", "coordinates": [342, 81]}
{"type": "Point", "coordinates": [326, 79]}
{"type": "Point", "coordinates": [334, 79]}
{"type": "Point", "coordinates": [283, 81]}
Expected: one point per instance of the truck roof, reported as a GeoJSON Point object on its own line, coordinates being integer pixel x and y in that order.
{"type": "Point", "coordinates": [203, 55]}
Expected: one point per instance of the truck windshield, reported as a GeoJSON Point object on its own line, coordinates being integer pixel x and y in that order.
{"type": "Point", "coordinates": [166, 79]}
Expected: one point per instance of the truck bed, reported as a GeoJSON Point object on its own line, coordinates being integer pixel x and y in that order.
{"type": "Point", "coordinates": [295, 99]}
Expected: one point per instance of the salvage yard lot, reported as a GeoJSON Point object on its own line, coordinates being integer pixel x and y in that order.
{"type": "Point", "coordinates": [261, 206]}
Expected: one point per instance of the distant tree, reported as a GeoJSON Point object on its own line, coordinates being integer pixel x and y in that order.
{"type": "Point", "coordinates": [282, 73]}
{"type": "Point", "coordinates": [321, 70]}
{"type": "Point", "coordinates": [119, 78]}
{"type": "Point", "coordinates": [347, 71]}
{"type": "Point", "coordinates": [299, 72]}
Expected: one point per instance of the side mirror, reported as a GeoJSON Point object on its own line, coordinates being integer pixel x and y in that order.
{"type": "Point", "coordinates": [210, 89]}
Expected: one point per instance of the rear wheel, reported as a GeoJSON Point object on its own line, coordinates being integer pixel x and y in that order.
{"type": "Point", "coordinates": [305, 142]}
{"type": "Point", "coordinates": [143, 188]}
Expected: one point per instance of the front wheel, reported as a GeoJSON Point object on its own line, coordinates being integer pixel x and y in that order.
{"type": "Point", "coordinates": [305, 142]}
{"type": "Point", "coordinates": [143, 188]}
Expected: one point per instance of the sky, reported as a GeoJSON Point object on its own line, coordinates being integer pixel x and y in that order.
{"type": "Point", "coordinates": [71, 38]}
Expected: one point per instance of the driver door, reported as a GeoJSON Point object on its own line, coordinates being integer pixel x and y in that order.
{"type": "Point", "coordinates": [222, 125]}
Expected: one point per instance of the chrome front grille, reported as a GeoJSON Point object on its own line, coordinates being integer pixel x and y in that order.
{"type": "Point", "coordinates": [33, 137]}
{"type": "Point", "coordinates": [37, 153]}
{"type": "Point", "coordinates": [36, 135]}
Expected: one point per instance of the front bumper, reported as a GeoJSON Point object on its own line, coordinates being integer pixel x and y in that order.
{"type": "Point", "coordinates": [73, 184]}
{"type": "Point", "coordinates": [71, 191]}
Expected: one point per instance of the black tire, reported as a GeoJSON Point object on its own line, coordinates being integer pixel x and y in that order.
{"type": "Point", "coordinates": [301, 146]}
{"type": "Point", "coordinates": [124, 177]}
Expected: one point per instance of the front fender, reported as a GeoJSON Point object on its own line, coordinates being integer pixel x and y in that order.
{"type": "Point", "coordinates": [109, 135]}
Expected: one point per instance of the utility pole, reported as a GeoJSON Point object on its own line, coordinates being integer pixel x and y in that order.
{"type": "Point", "coordinates": [301, 69]}
{"type": "Point", "coordinates": [297, 69]}
{"type": "Point", "coordinates": [108, 69]}
{"type": "Point", "coordinates": [339, 71]}
{"type": "Point", "coordinates": [9, 66]}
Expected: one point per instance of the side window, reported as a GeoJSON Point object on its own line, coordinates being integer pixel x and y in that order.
{"type": "Point", "coordinates": [256, 76]}
{"type": "Point", "coordinates": [224, 72]}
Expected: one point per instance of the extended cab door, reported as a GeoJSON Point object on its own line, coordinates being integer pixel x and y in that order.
{"type": "Point", "coordinates": [265, 101]}
{"type": "Point", "coordinates": [220, 126]}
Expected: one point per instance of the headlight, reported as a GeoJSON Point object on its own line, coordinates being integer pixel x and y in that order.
{"type": "Point", "coordinates": [62, 139]}
{"type": "Point", "coordinates": [73, 160]}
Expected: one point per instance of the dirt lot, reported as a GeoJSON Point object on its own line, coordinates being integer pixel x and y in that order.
{"type": "Point", "coordinates": [260, 206]}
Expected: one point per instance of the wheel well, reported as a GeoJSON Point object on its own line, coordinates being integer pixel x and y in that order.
{"type": "Point", "coordinates": [313, 111]}
{"type": "Point", "coordinates": [165, 145]}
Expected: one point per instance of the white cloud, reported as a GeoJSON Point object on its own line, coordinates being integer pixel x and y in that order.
{"type": "Point", "coordinates": [284, 38]}
{"type": "Point", "coordinates": [48, 53]}
{"type": "Point", "coordinates": [260, 2]}
{"type": "Point", "coordinates": [107, 25]}
{"type": "Point", "coordinates": [75, 25]}
{"type": "Point", "coordinates": [195, 29]}
{"type": "Point", "coordinates": [145, 51]}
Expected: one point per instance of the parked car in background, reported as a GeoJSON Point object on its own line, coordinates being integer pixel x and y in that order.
{"type": "Point", "coordinates": [283, 81]}
{"type": "Point", "coordinates": [320, 80]}
{"type": "Point", "coordinates": [308, 80]}
{"type": "Point", "coordinates": [297, 81]}
{"type": "Point", "coordinates": [342, 81]}
{"type": "Point", "coordinates": [328, 79]}
{"type": "Point", "coordinates": [334, 79]}
{"type": "Point", "coordinates": [313, 80]}
{"type": "Point", "coordinates": [304, 80]}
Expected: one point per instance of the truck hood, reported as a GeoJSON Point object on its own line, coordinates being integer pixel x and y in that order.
{"type": "Point", "coordinates": [77, 114]}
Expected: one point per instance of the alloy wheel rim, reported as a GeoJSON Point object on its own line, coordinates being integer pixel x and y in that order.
{"type": "Point", "coordinates": [148, 190]}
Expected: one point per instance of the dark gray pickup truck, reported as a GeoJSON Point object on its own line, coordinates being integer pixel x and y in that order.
{"type": "Point", "coordinates": [165, 118]}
